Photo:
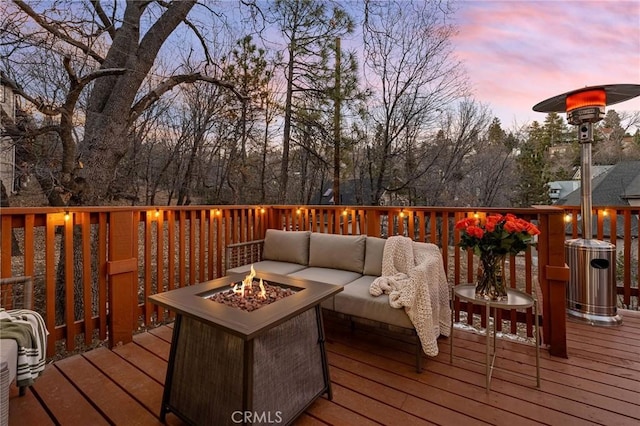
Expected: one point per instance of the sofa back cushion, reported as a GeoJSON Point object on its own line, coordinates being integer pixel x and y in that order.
{"type": "Point", "coordinates": [373, 256]}
{"type": "Point", "coordinates": [344, 252]}
{"type": "Point", "coordinates": [286, 246]}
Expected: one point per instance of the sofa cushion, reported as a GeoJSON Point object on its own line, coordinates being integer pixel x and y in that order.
{"type": "Point", "coordinates": [355, 300]}
{"type": "Point", "coordinates": [271, 266]}
{"type": "Point", "coordinates": [344, 252]}
{"type": "Point", "coordinates": [373, 256]}
{"type": "Point", "coordinates": [328, 276]}
{"type": "Point", "coordinates": [286, 246]}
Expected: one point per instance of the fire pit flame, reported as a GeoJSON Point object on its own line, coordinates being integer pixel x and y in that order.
{"type": "Point", "coordinates": [251, 294]}
{"type": "Point", "coordinates": [241, 289]}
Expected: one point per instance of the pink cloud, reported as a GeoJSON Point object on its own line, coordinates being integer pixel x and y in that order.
{"type": "Point", "coordinates": [518, 53]}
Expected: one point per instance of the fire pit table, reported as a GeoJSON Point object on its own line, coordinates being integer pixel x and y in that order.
{"type": "Point", "coordinates": [231, 366]}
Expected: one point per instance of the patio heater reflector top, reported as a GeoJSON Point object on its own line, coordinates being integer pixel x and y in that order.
{"type": "Point", "coordinates": [593, 96]}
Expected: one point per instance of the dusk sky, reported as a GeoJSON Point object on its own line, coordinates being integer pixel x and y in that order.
{"type": "Point", "coordinates": [518, 53]}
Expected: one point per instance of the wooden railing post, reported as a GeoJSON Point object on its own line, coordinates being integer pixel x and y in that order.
{"type": "Point", "coordinates": [122, 272]}
{"type": "Point", "coordinates": [373, 223]}
{"type": "Point", "coordinates": [553, 275]}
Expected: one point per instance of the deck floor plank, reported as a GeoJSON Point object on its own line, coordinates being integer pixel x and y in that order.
{"type": "Point", "coordinates": [374, 382]}
{"type": "Point", "coordinates": [135, 382]}
{"type": "Point", "coordinates": [26, 410]}
{"type": "Point", "coordinates": [154, 344]}
{"type": "Point", "coordinates": [150, 363]}
{"type": "Point", "coordinates": [118, 406]}
{"type": "Point", "coordinates": [67, 405]}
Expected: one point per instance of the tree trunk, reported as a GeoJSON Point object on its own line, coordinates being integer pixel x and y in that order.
{"type": "Point", "coordinates": [108, 111]}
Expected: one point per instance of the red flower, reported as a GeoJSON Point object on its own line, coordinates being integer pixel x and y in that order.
{"type": "Point", "coordinates": [492, 221]}
{"type": "Point", "coordinates": [513, 226]}
{"type": "Point", "coordinates": [531, 229]}
{"type": "Point", "coordinates": [465, 223]}
{"type": "Point", "coordinates": [475, 231]}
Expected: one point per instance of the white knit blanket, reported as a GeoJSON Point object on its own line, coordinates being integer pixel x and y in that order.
{"type": "Point", "coordinates": [413, 276]}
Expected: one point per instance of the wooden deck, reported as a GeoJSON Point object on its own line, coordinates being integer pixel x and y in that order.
{"type": "Point", "coordinates": [374, 382]}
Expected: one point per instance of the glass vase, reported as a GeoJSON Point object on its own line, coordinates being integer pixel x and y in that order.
{"type": "Point", "coordinates": [491, 284]}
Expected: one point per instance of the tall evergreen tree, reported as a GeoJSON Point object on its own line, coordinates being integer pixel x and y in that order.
{"type": "Point", "coordinates": [533, 186]}
{"type": "Point", "coordinates": [309, 29]}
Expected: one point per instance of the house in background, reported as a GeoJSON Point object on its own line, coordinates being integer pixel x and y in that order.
{"type": "Point", "coordinates": [356, 192]}
{"type": "Point", "coordinates": [560, 189]}
{"type": "Point", "coordinates": [611, 186]}
{"type": "Point", "coordinates": [7, 148]}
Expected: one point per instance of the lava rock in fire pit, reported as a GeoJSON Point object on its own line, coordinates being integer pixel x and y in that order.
{"type": "Point", "coordinates": [252, 300]}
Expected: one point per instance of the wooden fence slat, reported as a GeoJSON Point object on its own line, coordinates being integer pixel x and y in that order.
{"type": "Point", "coordinates": [171, 249]}
{"type": "Point", "coordinates": [182, 270]}
{"type": "Point", "coordinates": [29, 242]}
{"type": "Point", "coordinates": [147, 306]}
{"type": "Point", "coordinates": [69, 284]}
{"type": "Point", "coordinates": [202, 239]}
{"type": "Point", "coordinates": [627, 259]}
{"type": "Point", "coordinates": [87, 278]}
{"type": "Point", "coordinates": [160, 263]}
{"type": "Point", "coordinates": [192, 247]}
{"type": "Point", "coordinates": [219, 242]}
{"type": "Point", "coordinates": [210, 241]}
{"type": "Point", "coordinates": [50, 276]}
{"type": "Point", "coordinates": [102, 276]}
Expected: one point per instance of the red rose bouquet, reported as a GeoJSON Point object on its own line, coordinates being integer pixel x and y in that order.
{"type": "Point", "coordinates": [493, 239]}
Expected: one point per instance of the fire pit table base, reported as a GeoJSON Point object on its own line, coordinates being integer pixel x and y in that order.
{"type": "Point", "coordinates": [228, 366]}
{"type": "Point", "coordinates": [219, 378]}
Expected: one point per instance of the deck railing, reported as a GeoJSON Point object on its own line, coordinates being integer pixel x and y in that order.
{"type": "Point", "coordinates": [97, 285]}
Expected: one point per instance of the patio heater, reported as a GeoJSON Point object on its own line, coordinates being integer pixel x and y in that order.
{"type": "Point", "coordinates": [591, 294]}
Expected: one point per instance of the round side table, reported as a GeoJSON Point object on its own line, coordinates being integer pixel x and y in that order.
{"type": "Point", "coordinates": [516, 299]}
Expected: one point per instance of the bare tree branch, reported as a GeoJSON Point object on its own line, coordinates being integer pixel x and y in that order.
{"type": "Point", "coordinates": [162, 28]}
{"type": "Point", "coordinates": [106, 22]}
{"type": "Point", "coordinates": [53, 30]}
{"type": "Point", "coordinates": [190, 24]}
{"type": "Point", "coordinates": [175, 80]}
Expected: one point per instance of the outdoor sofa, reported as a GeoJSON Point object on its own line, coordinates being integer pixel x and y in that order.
{"type": "Point", "coordinates": [351, 261]}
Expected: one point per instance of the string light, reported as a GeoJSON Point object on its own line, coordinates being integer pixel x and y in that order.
{"type": "Point", "coordinates": [67, 216]}
{"type": "Point", "coordinates": [567, 217]}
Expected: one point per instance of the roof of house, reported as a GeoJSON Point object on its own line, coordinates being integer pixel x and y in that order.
{"type": "Point", "coordinates": [611, 188]}
{"type": "Point", "coordinates": [633, 189]}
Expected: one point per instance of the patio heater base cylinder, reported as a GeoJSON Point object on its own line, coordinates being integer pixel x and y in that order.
{"type": "Point", "coordinates": [591, 294]}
